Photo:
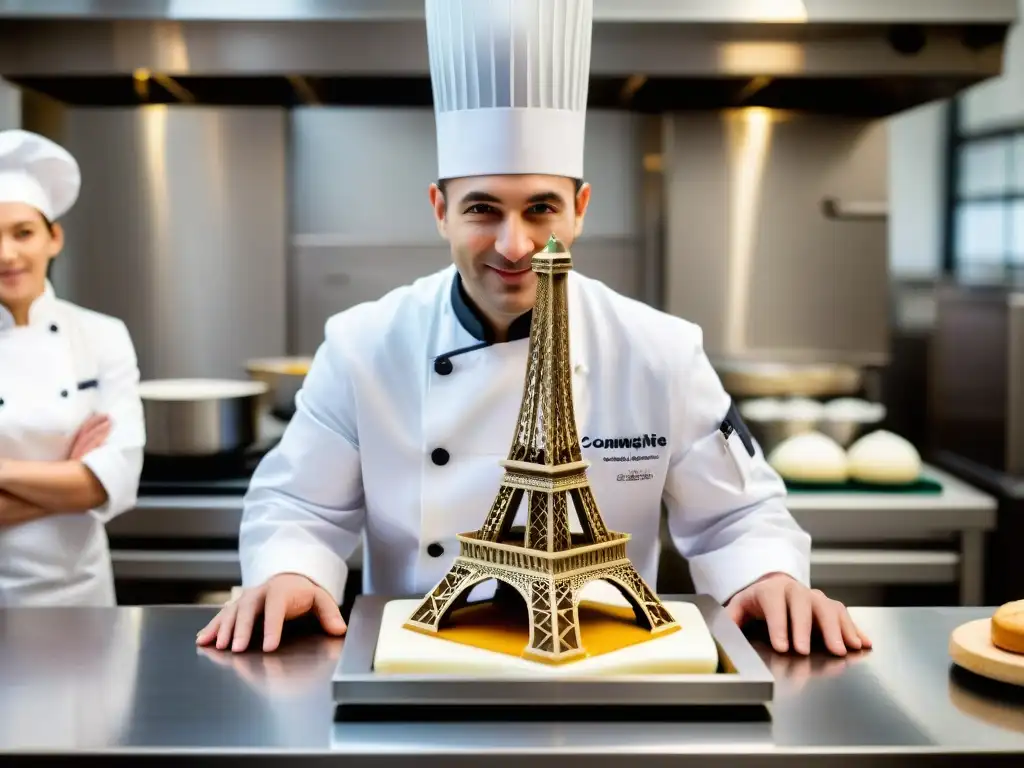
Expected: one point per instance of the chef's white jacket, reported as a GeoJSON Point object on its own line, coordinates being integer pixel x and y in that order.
{"type": "Point", "coordinates": [405, 414]}
{"type": "Point", "coordinates": [66, 364]}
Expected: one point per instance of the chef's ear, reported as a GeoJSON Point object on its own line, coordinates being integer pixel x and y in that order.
{"type": "Point", "coordinates": [440, 206]}
{"type": "Point", "coordinates": [56, 237]}
{"type": "Point", "coordinates": [582, 201]}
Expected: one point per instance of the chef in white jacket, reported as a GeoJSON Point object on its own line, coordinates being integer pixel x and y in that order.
{"type": "Point", "coordinates": [411, 400]}
{"type": "Point", "coordinates": [71, 425]}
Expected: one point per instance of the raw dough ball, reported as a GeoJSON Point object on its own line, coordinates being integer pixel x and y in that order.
{"type": "Point", "coordinates": [1008, 627]}
{"type": "Point", "coordinates": [810, 457]}
{"type": "Point", "coordinates": [883, 457]}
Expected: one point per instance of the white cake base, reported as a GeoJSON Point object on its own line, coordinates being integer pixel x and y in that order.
{"type": "Point", "coordinates": [689, 650]}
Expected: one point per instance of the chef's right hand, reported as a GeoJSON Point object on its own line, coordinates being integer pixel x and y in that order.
{"type": "Point", "coordinates": [281, 598]}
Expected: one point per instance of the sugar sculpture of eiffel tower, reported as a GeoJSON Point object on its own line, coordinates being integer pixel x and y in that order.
{"type": "Point", "coordinates": [545, 563]}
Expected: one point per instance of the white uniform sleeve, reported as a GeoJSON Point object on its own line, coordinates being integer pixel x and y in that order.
{"type": "Point", "coordinates": [304, 510]}
{"type": "Point", "coordinates": [117, 464]}
{"type": "Point", "coordinates": [726, 509]}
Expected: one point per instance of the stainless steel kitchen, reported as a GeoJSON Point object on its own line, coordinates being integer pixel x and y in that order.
{"type": "Point", "coordinates": [833, 191]}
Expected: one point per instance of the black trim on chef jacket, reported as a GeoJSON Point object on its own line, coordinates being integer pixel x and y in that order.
{"type": "Point", "coordinates": [733, 422]}
{"type": "Point", "coordinates": [473, 320]}
{"type": "Point", "coordinates": [90, 384]}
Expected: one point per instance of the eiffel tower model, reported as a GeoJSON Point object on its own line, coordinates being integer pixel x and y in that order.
{"type": "Point", "coordinates": [545, 563]}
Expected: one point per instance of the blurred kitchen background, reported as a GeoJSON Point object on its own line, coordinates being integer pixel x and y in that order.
{"type": "Point", "coordinates": [834, 191]}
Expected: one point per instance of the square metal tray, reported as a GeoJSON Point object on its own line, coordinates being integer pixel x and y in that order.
{"type": "Point", "coordinates": [743, 678]}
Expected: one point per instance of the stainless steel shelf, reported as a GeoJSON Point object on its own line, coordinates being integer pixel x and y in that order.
{"type": "Point", "coordinates": [828, 567]}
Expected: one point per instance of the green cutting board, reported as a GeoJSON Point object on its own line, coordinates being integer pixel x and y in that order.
{"type": "Point", "coordinates": [923, 485]}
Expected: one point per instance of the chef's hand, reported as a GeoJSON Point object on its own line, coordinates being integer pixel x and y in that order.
{"type": "Point", "coordinates": [90, 436]}
{"type": "Point", "coordinates": [788, 607]}
{"type": "Point", "coordinates": [281, 598]}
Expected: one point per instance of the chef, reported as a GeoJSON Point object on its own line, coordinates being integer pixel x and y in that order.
{"type": "Point", "coordinates": [71, 426]}
{"type": "Point", "coordinates": [412, 399]}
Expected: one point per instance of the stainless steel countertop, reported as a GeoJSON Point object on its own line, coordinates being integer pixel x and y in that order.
{"type": "Point", "coordinates": [130, 682]}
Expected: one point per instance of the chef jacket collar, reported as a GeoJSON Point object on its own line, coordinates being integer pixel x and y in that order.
{"type": "Point", "coordinates": [474, 322]}
{"type": "Point", "coordinates": [44, 311]}
{"type": "Point", "coordinates": [470, 321]}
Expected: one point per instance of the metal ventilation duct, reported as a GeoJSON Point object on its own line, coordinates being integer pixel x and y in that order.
{"type": "Point", "coordinates": [871, 57]}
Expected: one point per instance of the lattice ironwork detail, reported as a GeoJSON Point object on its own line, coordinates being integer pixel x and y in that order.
{"type": "Point", "coordinates": [545, 563]}
{"type": "Point", "coordinates": [589, 515]}
{"type": "Point", "coordinates": [503, 512]}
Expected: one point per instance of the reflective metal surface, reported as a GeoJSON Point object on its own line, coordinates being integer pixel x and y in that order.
{"type": "Point", "coordinates": [976, 376]}
{"type": "Point", "coordinates": [1015, 385]}
{"type": "Point", "coordinates": [840, 11]}
{"type": "Point", "coordinates": [744, 679]}
{"type": "Point", "coordinates": [131, 682]}
{"type": "Point", "coordinates": [397, 45]}
{"type": "Point", "coordinates": [750, 256]}
{"type": "Point", "coordinates": [841, 55]}
{"type": "Point", "coordinates": [201, 427]}
{"type": "Point", "coordinates": [199, 197]}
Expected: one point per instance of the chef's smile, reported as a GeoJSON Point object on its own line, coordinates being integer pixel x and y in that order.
{"type": "Point", "coordinates": [495, 224]}
{"type": "Point", "coordinates": [513, 276]}
{"type": "Point", "coordinates": [10, 276]}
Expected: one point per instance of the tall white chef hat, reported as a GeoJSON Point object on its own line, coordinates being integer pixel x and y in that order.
{"type": "Point", "coordinates": [38, 172]}
{"type": "Point", "coordinates": [510, 84]}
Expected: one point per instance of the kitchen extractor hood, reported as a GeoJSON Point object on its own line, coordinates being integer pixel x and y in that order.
{"type": "Point", "coordinates": [871, 57]}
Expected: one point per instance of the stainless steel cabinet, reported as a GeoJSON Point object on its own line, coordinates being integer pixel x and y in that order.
{"type": "Point", "coordinates": [181, 231]}
{"type": "Point", "coordinates": [751, 255]}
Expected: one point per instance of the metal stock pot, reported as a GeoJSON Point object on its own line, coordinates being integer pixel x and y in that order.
{"type": "Point", "coordinates": [284, 376]}
{"type": "Point", "coordinates": [201, 417]}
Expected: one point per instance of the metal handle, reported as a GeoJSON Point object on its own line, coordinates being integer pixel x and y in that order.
{"type": "Point", "coordinates": [864, 211]}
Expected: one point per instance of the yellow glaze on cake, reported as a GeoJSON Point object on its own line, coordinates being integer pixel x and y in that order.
{"type": "Point", "coordinates": [604, 629]}
{"type": "Point", "coordinates": [485, 640]}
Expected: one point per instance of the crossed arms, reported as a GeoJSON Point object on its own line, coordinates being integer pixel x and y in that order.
{"type": "Point", "coordinates": [33, 489]}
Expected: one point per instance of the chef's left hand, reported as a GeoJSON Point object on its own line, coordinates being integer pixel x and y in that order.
{"type": "Point", "coordinates": [788, 607]}
{"type": "Point", "coordinates": [91, 435]}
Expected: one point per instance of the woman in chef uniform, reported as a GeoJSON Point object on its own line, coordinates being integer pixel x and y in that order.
{"type": "Point", "coordinates": [71, 426]}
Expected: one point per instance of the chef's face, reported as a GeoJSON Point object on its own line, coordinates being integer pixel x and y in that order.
{"type": "Point", "coordinates": [27, 244]}
{"type": "Point", "coordinates": [495, 224]}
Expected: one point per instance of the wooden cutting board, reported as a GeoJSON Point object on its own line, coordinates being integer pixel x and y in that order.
{"type": "Point", "coordinates": [970, 646]}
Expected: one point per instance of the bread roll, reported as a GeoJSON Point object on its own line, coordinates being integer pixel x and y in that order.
{"type": "Point", "coordinates": [762, 409]}
{"type": "Point", "coordinates": [884, 458]}
{"type": "Point", "coordinates": [802, 409]}
{"type": "Point", "coordinates": [1008, 627]}
{"type": "Point", "coordinates": [853, 409]}
{"type": "Point", "coordinates": [810, 457]}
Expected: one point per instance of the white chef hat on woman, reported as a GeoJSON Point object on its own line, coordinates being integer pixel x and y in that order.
{"type": "Point", "coordinates": [37, 172]}
{"type": "Point", "coordinates": [510, 81]}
